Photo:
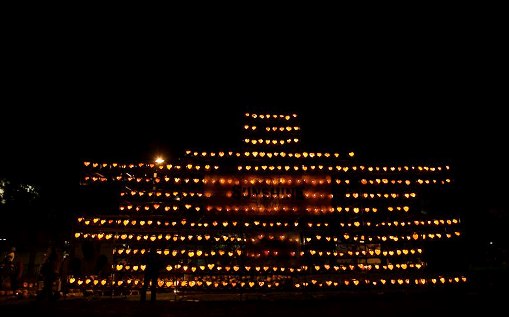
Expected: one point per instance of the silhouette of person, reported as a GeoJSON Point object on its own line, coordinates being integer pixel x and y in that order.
{"type": "Point", "coordinates": [153, 264]}
{"type": "Point", "coordinates": [50, 270]}
{"type": "Point", "coordinates": [10, 269]}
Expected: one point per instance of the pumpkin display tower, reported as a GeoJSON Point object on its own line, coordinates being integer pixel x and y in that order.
{"type": "Point", "coordinates": [271, 215]}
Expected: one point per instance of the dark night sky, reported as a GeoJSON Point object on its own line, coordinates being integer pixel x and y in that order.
{"type": "Point", "coordinates": [430, 96]}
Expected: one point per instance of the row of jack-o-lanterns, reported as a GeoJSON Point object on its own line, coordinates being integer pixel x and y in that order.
{"type": "Point", "coordinates": [226, 238]}
{"type": "Point", "coordinates": [230, 253]}
{"type": "Point", "coordinates": [272, 128]}
{"type": "Point", "coordinates": [271, 167]}
{"type": "Point", "coordinates": [97, 221]}
{"type": "Point", "coordinates": [287, 168]}
{"type": "Point", "coordinates": [253, 208]}
{"type": "Point", "coordinates": [266, 284]}
{"type": "Point", "coordinates": [268, 116]}
{"type": "Point", "coordinates": [215, 268]}
{"type": "Point", "coordinates": [271, 141]}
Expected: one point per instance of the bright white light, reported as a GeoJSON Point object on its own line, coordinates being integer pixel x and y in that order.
{"type": "Point", "coordinates": [159, 160]}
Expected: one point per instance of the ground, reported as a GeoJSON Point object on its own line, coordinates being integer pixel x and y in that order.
{"type": "Point", "coordinates": [339, 304]}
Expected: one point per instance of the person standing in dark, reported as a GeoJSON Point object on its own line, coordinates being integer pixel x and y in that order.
{"type": "Point", "coordinates": [64, 272]}
{"type": "Point", "coordinates": [50, 271]}
{"type": "Point", "coordinates": [153, 264]}
{"type": "Point", "coordinates": [11, 269]}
